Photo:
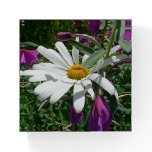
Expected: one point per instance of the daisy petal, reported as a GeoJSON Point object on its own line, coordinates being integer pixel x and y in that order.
{"type": "Point", "coordinates": [88, 87]}
{"type": "Point", "coordinates": [33, 72]}
{"type": "Point", "coordinates": [78, 98]}
{"type": "Point", "coordinates": [44, 90]}
{"type": "Point", "coordinates": [53, 56]}
{"type": "Point", "coordinates": [37, 78]}
{"type": "Point", "coordinates": [60, 88]}
{"type": "Point", "coordinates": [64, 52]}
{"type": "Point", "coordinates": [104, 83]}
{"type": "Point", "coordinates": [114, 49]}
{"type": "Point", "coordinates": [41, 87]}
{"type": "Point", "coordinates": [49, 67]}
{"type": "Point", "coordinates": [84, 58]}
{"type": "Point", "coordinates": [75, 53]}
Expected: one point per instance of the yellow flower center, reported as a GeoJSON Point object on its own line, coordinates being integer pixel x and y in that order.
{"type": "Point", "coordinates": [76, 72]}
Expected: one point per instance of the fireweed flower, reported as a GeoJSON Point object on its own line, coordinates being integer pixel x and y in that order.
{"type": "Point", "coordinates": [64, 72]}
{"type": "Point", "coordinates": [100, 118]}
{"type": "Point", "coordinates": [93, 26]}
{"type": "Point", "coordinates": [75, 117]}
{"type": "Point", "coordinates": [28, 57]}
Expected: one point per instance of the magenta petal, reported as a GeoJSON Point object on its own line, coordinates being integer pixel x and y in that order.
{"type": "Point", "coordinates": [28, 57]}
{"type": "Point", "coordinates": [75, 117]}
{"type": "Point", "coordinates": [83, 40]}
{"type": "Point", "coordinates": [63, 36]}
{"type": "Point", "coordinates": [99, 36]}
{"type": "Point", "coordinates": [108, 34]}
{"type": "Point", "coordinates": [93, 26]}
{"type": "Point", "coordinates": [127, 35]}
{"type": "Point", "coordinates": [100, 118]}
{"type": "Point", "coordinates": [88, 44]}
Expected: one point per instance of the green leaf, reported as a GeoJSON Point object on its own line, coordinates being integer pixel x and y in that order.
{"type": "Point", "coordinates": [25, 44]}
{"type": "Point", "coordinates": [82, 47]}
{"type": "Point", "coordinates": [126, 45]}
{"type": "Point", "coordinates": [102, 24]}
{"type": "Point", "coordinates": [93, 58]}
{"type": "Point", "coordinates": [120, 30]}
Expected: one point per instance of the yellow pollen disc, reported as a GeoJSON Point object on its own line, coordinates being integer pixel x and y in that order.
{"type": "Point", "coordinates": [76, 72]}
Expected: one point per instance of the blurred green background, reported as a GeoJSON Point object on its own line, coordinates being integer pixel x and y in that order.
{"type": "Point", "coordinates": [56, 117]}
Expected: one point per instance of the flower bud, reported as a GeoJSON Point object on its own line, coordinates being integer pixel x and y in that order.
{"type": "Point", "coordinates": [127, 35]}
{"type": "Point", "coordinates": [93, 26]}
{"type": "Point", "coordinates": [63, 36]}
{"type": "Point", "coordinates": [100, 118]}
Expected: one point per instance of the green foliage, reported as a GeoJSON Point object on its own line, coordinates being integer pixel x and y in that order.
{"type": "Point", "coordinates": [93, 58]}
{"type": "Point", "coordinates": [82, 47]}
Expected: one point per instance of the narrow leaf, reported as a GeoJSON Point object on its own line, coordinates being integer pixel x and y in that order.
{"type": "Point", "coordinates": [82, 47]}
{"type": "Point", "coordinates": [126, 45]}
{"type": "Point", "coordinates": [25, 44]}
{"type": "Point", "coordinates": [93, 58]}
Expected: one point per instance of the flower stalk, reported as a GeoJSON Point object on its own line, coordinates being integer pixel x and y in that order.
{"type": "Point", "coordinates": [111, 40]}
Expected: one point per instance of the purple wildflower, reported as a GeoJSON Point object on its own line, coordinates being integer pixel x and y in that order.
{"type": "Point", "coordinates": [88, 44]}
{"type": "Point", "coordinates": [77, 23]}
{"type": "Point", "coordinates": [127, 23]}
{"type": "Point", "coordinates": [63, 36]}
{"type": "Point", "coordinates": [99, 36]}
{"type": "Point", "coordinates": [127, 35]}
{"type": "Point", "coordinates": [100, 118]}
{"type": "Point", "coordinates": [93, 26]}
{"type": "Point", "coordinates": [83, 40]}
{"type": "Point", "coordinates": [75, 117]}
{"type": "Point", "coordinates": [28, 57]}
{"type": "Point", "coordinates": [108, 34]}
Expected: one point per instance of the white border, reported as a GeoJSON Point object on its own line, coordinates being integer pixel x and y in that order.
{"type": "Point", "coordinates": [137, 140]}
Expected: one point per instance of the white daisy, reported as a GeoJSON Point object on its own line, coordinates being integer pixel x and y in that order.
{"type": "Point", "coordinates": [65, 71]}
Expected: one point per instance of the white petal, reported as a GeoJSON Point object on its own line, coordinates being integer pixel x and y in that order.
{"type": "Point", "coordinates": [36, 78]}
{"type": "Point", "coordinates": [104, 83]}
{"type": "Point", "coordinates": [44, 90]}
{"type": "Point", "coordinates": [33, 72]}
{"type": "Point", "coordinates": [43, 66]}
{"type": "Point", "coordinates": [114, 49]}
{"type": "Point", "coordinates": [75, 55]}
{"type": "Point", "coordinates": [60, 88]}
{"type": "Point", "coordinates": [109, 61]}
{"type": "Point", "coordinates": [96, 66]}
{"type": "Point", "coordinates": [64, 52]}
{"type": "Point", "coordinates": [88, 87]}
{"type": "Point", "coordinates": [78, 98]}
{"type": "Point", "coordinates": [53, 56]}
{"type": "Point", "coordinates": [51, 68]}
{"type": "Point", "coordinates": [84, 58]}
{"type": "Point", "coordinates": [41, 87]}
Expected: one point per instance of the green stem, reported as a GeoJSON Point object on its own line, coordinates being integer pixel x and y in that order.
{"type": "Point", "coordinates": [111, 40]}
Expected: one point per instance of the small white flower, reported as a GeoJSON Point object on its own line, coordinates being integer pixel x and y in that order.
{"type": "Point", "coordinates": [65, 71]}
